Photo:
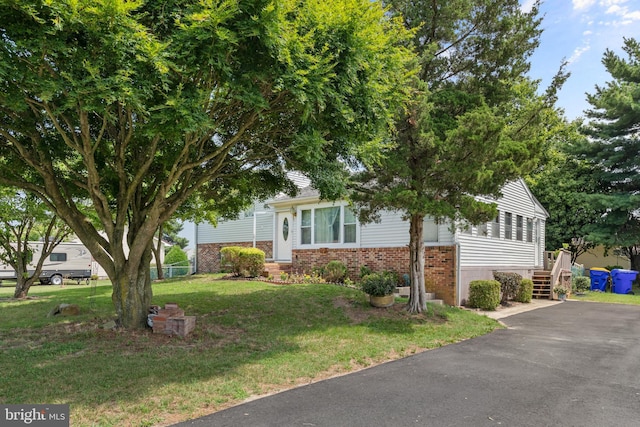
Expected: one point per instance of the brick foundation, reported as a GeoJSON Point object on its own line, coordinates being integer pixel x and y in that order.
{"type": "Point", "coordinates": [209, 254]}
{"type": "Point", "coordinates": [439, 272]}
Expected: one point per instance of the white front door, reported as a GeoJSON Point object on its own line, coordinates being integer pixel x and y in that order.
{"type": "Point", "coordinates": [284, 236]}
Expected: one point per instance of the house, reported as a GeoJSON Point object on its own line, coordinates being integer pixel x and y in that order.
{"type": "Point", "coordinates": [305, 232]}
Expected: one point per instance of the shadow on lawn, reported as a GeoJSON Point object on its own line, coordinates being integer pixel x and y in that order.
{"type": "Point", "coordinates": [232, 330]}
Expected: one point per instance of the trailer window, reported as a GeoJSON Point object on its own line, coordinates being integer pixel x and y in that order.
{"type": "Point", "coordinates": [58, 257]}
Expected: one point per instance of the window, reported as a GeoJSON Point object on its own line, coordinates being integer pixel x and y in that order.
{"type": "Point", "coordinates": [519, 227]}
{"type": "Point", "coordinates": [331, 225]}
{"type": "Point", "coordinates": [305, 227]}
{"type": "Point", "coordinates": [58, 257]}
{"type": "Point", "coordinates": [430, 231]}
{"type": "Point", "coordinates": [507, 226]}
{"type": "Point", "coordinates": [529, 230]}
{"type": "Point", "coordinates": [495, 227]}
{"type": "Point", "coordinates": [483, 230]}
{"type": "Point", "coordinates": [349, 226]}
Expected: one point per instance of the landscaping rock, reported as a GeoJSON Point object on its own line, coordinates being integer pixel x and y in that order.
{"type": "Point", "coordinates": [65, 309]}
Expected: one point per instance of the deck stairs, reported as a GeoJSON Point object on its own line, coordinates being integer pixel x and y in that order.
{"type": "Point", "coordinates": [542, 284]}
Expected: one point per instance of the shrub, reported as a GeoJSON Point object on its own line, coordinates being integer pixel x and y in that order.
{"type": "Point", "coordinates": [378, 284]}
{"type": "Point", "coordinates": [509, 283]}
{"type": "Point", "coordinates": [525, 291]}
{"type": "Point", "coordinates": [335, 272]}
{"type": "Point", "coordinates": [176, 256]}
{"type": "Point", "coordinates": [365, 271]}
{"type": "Point", "coordinates": [484, 294]}
{"type": "Point", "coordinates": [581, 283]}
{"type": "Point", "coordinates": [229, 259]}
{"type": "Point", "coordinates": [251, 262]}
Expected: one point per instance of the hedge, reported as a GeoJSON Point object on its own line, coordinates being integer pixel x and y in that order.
{"type": "Point", "coordinates": [484, 294]}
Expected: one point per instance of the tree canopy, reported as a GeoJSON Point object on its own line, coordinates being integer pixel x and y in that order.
{"type": "Point", "coordinates": [474, 121]}
{"type": "Point", "coordinates": [612, 146]}
{"type": "Point", "coordinates": [136, 106]}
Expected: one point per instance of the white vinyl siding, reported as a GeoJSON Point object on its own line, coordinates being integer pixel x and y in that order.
{"type": "Point", "coordinates": [238, 230]}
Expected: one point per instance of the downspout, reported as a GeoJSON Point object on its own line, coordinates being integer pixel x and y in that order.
{"type": "Point", "coordinates": [458, 274]}
{"type": "Point", "coordinates": [195, 262]}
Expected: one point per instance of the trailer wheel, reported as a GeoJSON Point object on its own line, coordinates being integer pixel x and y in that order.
{"type": "Point", "coordinates": [56, 280]}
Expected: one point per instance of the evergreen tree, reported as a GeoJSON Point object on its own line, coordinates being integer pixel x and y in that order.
{"type": "Point", "coordinates": [612, 146]}
{"type": "Point", "coordinates": [475, 120]}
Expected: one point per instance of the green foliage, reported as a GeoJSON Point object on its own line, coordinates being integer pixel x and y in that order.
{"type": "Point", "coordinates": [176, 256]}
{"type": "Point", "coordinates": [581, 284]}
{"type": "Point", "coordinates": [611, 146]}
{"type": "Point", "coordinates": [509, 284]}
{"type": "Point", "coordinates": [143, 107]}
{"type": "Point", "coordinates": [251, 262]}
{"type": "Point", "coordinates": [484, 294]}
{"type": "Point", "coordinates": [335, 272]}
{"type": "Point", "coordinates": [365, 271]}
{"type": "Point", "coordinates": [525, 291]}
{"type": "Point", "coordinates": [474, 122]}
{"type": "Point", "coordinates": [230, 259]}
{"type": "Point", "coordinates": [378, 284]}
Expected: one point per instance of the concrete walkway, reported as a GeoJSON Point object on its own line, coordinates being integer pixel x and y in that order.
{"type": "Point", "coordinates": [518, 308]}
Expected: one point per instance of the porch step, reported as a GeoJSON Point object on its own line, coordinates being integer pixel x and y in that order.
{"type": "Point", "coordinates": [275, 268]}
{"type": "Point", "coordinates": [541, 284]}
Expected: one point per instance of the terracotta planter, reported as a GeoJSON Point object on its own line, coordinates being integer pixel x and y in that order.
{"type": "Point", "coordinates": [384, 301]}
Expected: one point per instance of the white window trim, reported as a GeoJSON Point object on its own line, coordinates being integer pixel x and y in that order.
{"type": "Point", "coordinates": [313, 207]}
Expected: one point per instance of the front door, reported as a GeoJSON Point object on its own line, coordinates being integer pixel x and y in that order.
{"type": "Point", "coordinates": [284, 236]}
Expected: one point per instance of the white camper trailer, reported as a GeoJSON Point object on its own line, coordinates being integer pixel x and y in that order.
{"type": "Point", "coordinates": [67, 261]}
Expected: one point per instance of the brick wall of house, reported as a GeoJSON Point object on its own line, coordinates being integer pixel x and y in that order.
{"type": "Point", "coordinates": [209, 253]}
{"type": "Point", "coordinates": [440, 264]}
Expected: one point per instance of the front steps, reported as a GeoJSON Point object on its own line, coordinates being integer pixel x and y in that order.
{"type": "Point", "coordinates": [276, 268]}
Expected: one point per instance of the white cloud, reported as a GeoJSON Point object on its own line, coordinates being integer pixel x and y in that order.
{"type": "Point", "coordinates": [587, 33]}
{"type": "Point", "coordinates": [578, 52]}
{"type": "Point", "coordinates": [582, 4]}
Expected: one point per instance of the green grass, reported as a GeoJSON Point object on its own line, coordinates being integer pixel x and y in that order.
{"type": "Point", "coordinates": [251, 338]}
{"type": "Point", "coordinates": [609, 297]}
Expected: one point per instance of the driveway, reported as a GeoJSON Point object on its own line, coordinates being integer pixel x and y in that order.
{"type": "Point", "coordinates": [570, 364]}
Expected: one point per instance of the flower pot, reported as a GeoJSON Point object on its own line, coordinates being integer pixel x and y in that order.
{"type": "Point", "coordinates": [562, 297]}
{"type": "Point", "coordinates": [383, 301]}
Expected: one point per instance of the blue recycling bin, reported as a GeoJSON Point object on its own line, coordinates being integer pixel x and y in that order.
{"type": "Point", "coordinates": [621, 280]}
{"type": "Point", "coordinates": [599, 277]}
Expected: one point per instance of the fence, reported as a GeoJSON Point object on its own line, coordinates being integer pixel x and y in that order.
{"type": "Point", "coordinates": [172, 270]}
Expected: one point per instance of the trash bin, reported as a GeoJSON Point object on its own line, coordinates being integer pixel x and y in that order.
{"type": "Point", "coordinates": [599, 277]}
{"type": "Point", "coordinates": [621, 280]}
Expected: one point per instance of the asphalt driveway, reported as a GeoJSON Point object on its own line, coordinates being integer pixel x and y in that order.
{"type": "Point", "coordinates": [570, 364]}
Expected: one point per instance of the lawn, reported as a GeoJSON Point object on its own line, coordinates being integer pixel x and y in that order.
{"type": "Point", "coordinates": [251, 338]}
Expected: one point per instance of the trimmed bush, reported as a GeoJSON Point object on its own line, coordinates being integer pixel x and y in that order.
{"type": "Point", "coordinates": [525, 291]}
{"type": "Point", "coordinates": [509, 283]}
{"type": "Point", "coordinates": [378, 284]}
{"type": "Point", "coordinates": [335, 272]}
{"type": "Point", "coordinates": [230, 259]}
{"type": "Point", "coordinates": [176, 256]}
{"type": "Point", "coordinates": [484, 294]}
{"type": "Point", "coordinates": [251, 262]}
{"type": "Point", "coordinates": [581, 284]}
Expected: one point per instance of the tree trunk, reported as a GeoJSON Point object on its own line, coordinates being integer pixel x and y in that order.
{"type": "Point", "coordinates": [417, 295]}
{"type": "Point", "coordinates": [132, 292]}
{"type": "Point", "coordinates": [156, 254]}
{"type": "Point", "coordinates": [22, 287]}
{"type": "Point", "coordinates": [635, 259]}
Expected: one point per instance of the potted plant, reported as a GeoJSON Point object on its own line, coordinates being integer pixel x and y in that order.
{"type": "Point", "coordinates": [379, 287]}
{"type": "Point", "coordinates": [561, 291]}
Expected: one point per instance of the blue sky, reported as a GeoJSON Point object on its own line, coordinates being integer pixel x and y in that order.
{"type": "Point", "coordinates": [580, 31]}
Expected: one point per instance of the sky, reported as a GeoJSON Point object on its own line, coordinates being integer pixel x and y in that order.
{"type": "Point", "coordinates": [580, 31]}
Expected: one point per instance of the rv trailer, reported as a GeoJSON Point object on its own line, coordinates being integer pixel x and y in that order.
{"type": "Point", "coordinates": [67, 261]}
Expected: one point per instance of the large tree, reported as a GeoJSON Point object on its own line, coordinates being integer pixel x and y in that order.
{"type": "Point", "coordinates": [475, 120]}
{"type": "Point", "coordinates": [137, 105]}
{"type": "Point", "coordinates": [24, 223]}
{"type": "Point", "coordinates": [564, 184]}
{"type": "Point", "coordinates": [612, 146]}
